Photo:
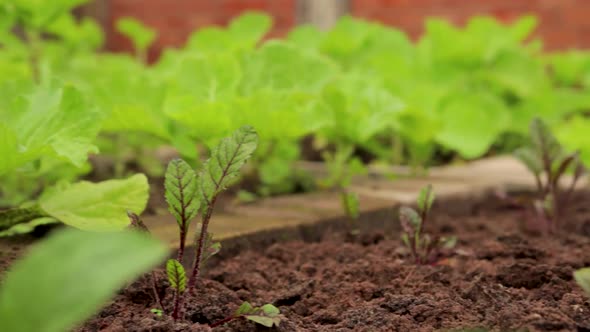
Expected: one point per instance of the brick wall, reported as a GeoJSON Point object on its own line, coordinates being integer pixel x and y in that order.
{"type": "Point", "coordinates": [176, 19]}
{"type": "Point", "coordinates": [563, 23]}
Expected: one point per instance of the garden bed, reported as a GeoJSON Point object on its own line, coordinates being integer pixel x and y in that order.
{"type": "Point", "coordinates": [501, 277]}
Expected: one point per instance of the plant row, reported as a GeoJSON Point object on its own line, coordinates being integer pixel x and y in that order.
{"type": "Point", "coordinates": [360, 89]}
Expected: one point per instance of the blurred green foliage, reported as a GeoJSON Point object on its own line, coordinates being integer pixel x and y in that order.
{"type": "Point", "coordinates": [463, 92]}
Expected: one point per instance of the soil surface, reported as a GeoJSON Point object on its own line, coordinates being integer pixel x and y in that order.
{"type": "Point", "coordinates": [500, 278]}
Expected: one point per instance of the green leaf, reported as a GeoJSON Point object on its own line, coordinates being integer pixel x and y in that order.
{"type": "Point", "coordinates": [268, 315]}
{"type": "Point", "coordinates": [66, 278]}
{"type": "Point", "coordinates": [181, 192]}
{"type": "Point", "coordinates": [225, 162]}
{"type": "Point", "coordinates": [448, 242]}
{"type": "Point", "coordinates": [264, 320]}
{"type": "Point", "coordinates": [409, 218]}
{"type": "Point", "coordinates": [55, 120]}
{"type": "Point", "coordinates": [582, 277]}
{"type": "Point", "coordinates": [280, 66]}
{"type": "Point", "coordinates": [249, 28]}
{"type": "Point", "coordinates": [530, 159]}
{"type": "Point", "coordinates": [141, 35]}
{"type": "Point", "coordinates": [471, 122]}
{"type": "Point", "coordinates": [176, 275]}
{"type": "Point", "coordinates": [98, 206]}
{"type": "Point", "coordinates": [406, 240]}
{"type": "Point", "coordinates": [245, 308]}
{"type": "Point", "coordinates": [426, 198]}
{"type": "Point", "coordinates": [243, 34]}
{"type": "Point", "coordinates": [543, 140]}
{"type": "Point", "coordinates": [210, 247]}
{"type": "Point", "coordinates": [573, 134]}
{"type": "Point", "coordinates": [9, 150]}
{"type": "Point", "coordinates": [157, 312]}
{"type": "Point", "coordinates": [270, 309]}
{"type": "Point", "coordinates": [27, 227]}
{"type": "Point", "coordinates": [37, 14]}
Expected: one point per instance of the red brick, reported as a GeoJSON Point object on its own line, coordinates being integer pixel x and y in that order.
{"type": "Point", "coordinates": [563, 23]}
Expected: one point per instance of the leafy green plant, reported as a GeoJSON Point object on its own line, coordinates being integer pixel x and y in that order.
{"type": "Point", "coordinates": [57, 285]}
{"type": "Point", "coordinates": [141, 35]}
{"type": "Point", "coordinates": [425, 249]}
{"type": "Point", "coordinates": [84, 205]}
{"type": "Point", "coordinates": [188, 194]}
{"type": "Point", "coordinates": [582, 277]}
{"type": "Point", "coordinates": [547, 160]}
{"type": "Point", "coordinates": [267, 315]}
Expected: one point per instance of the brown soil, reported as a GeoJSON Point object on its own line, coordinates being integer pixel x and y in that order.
{"type": "Point", "coordinates": [501, 278]}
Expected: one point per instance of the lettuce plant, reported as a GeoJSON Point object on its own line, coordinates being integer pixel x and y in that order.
{"type": "Point", "coordinates": [141, 36]}
{"type": "Point", "coordinates": [84, 205]}
{"type": "Point", "coordinates": [425, 248]}
{"type": "Point", "coordinates": [547, 160]}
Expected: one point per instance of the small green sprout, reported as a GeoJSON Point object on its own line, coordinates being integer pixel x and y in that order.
{"type": "Point", "coordinates": [350, 204]}
{"type": "Point", "coordinates": [545, 157]}
{"type": "Point", "coordinates": [268, 315]}
{"type": "Point", "coordinates": [582, 277]}
{"type": "Point", "coordinates": [342, 167]}
{"type": "Point", "coordinates": [157, 312]}
{"type": "Point", "coordinates": [177, 280]}
{"type": "Point", "coordinates": [189, 193]}
{"type": "Point", "coordinates": [424, 248]}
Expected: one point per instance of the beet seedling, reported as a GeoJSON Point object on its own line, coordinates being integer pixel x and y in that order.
{"type": "Point", "coordinates": [546, 159]}
{"type": "Point", "coordinates": [350, 204]}
{"type": "Point", "coordinates": [425, 249]}
{"type": "Point", "coordinates": [188, 194]}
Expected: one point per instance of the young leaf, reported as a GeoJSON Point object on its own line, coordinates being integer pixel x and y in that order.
{"type": "Point", "coordinates": [98, 206]}
{"type": "Point", "coordinates": [270, 309]}
{"type": "Point", "coordinates": [530, 159]}
{"type": "Point", "coordinates": [225, 162]}
{"type": "Point", "coordinates": [66, 278]}
{"type": "Point", "coordinates": [176, 275]}
{"type": "Point", "coordinates": [425, 199]}
{"type": "Point", "coordinates": [141, 35]}
{"type": "Point", "coordinates": [245, 308]}
{"type": "Point", "coordinates": [210, 249]}
{"type": "Point", "coordinates": [157, 312]}
{"type": "Point", "coordinates": [582, 277]}
{"type": "Point", "coordinates": [448, 242]}
{"type": "Point", "coordinates": [181, 192]}
{"type": "Point", "coordinates": [268, 315]}
{"type": "Point", "coordinates": [409, 218]}
{"type": "Point", "coordinates": [543, 140]}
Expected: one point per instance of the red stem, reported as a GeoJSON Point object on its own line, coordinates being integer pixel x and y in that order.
{"type": "Point", "coordinates": [155, 290]}
{"type": "Point", "coordinates": [200, 245]}
{"type": "Point", "coordinates": [178, 302]}
{"type": "Point", "coordinates": [223, 321]}
{"type": "Point", "coordinates": [182, 245]}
